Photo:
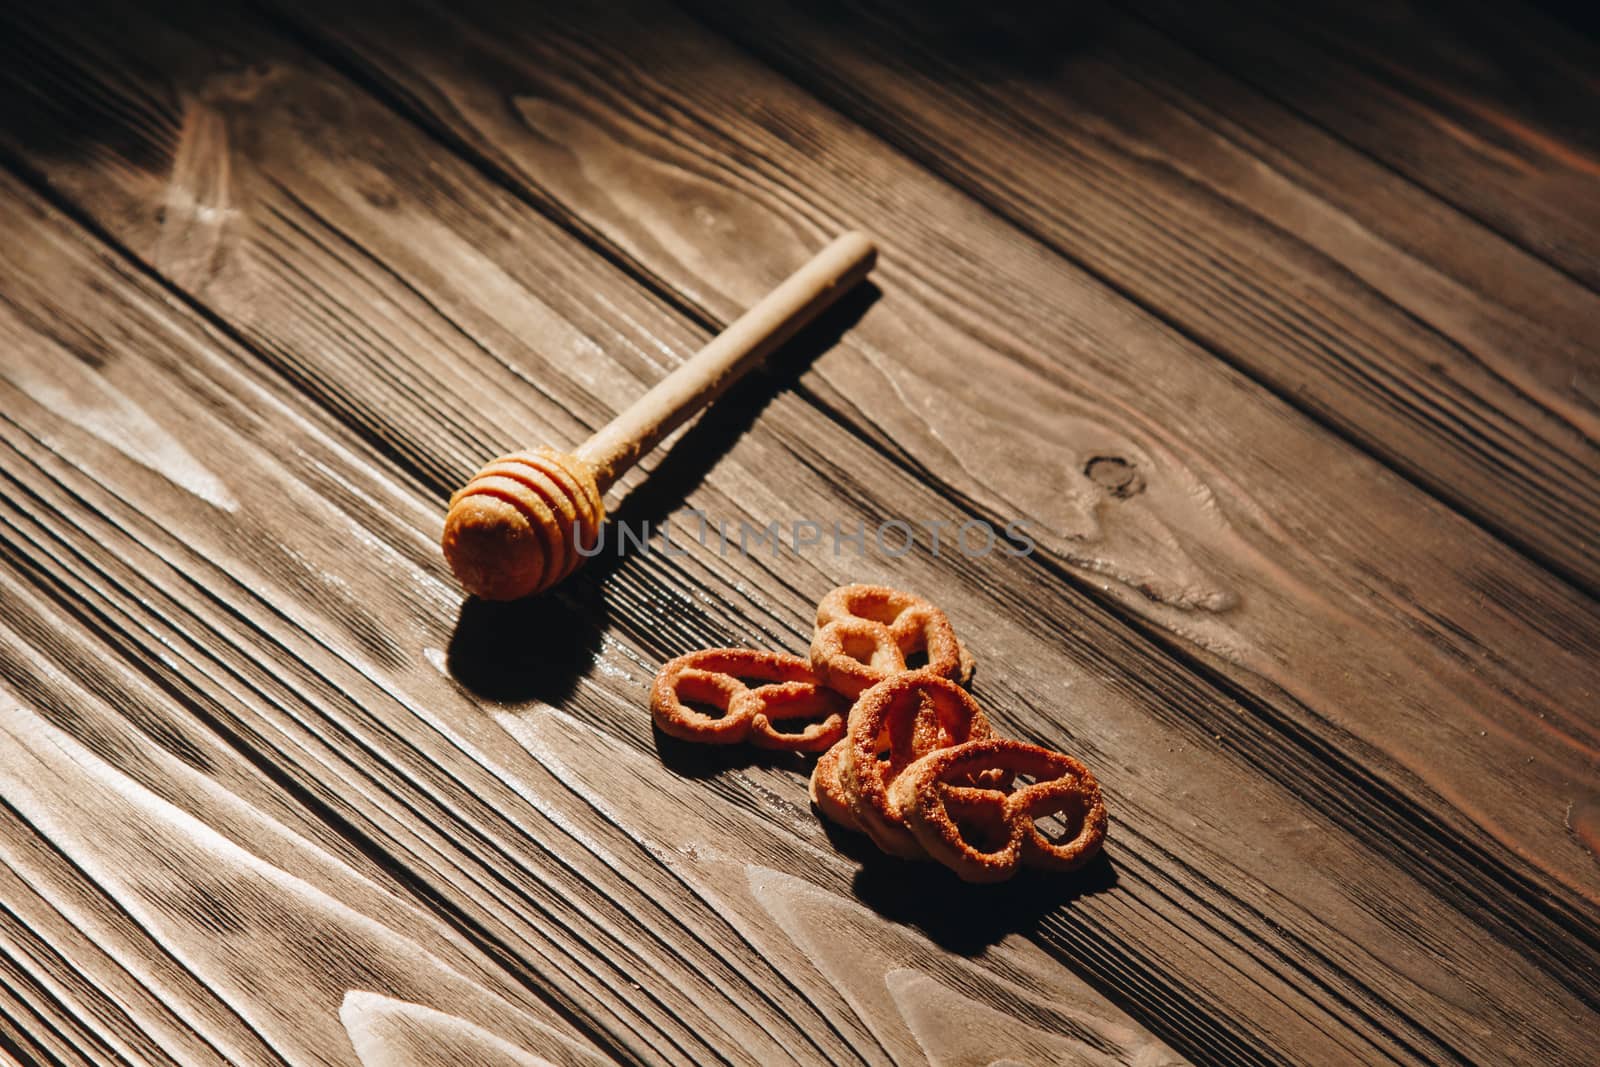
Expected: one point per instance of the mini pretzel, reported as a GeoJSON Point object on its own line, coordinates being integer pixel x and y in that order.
{"type": "Point", "coordinates": [945, 813]}
{"type": "Point", "coordinates": [904, 718]}
{"type": "Point", "coordinates": [827, 792]}
{"type": "Point", "coordinates": [865, 632]}
{"type": "Point", "coordinates": [716, 676]}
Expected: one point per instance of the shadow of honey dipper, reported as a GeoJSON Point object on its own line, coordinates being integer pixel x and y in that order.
{"type": "Point", "coordinates": [518, 526]}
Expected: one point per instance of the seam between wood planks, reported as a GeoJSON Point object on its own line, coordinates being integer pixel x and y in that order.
{"type": "Point", "coordinates": [1179, 654]}
{"type": "Point", "coordinates": [1148, 983]}
{"type": "Point", "coordinates": [481, 938]}
{"type": "Point", "coordinates": [382, 88]}
{"type": "Point", "coordinates": [314, 407]}
{"type": "Point", "coordinates": [526, 190]}
{"type": "Point", "coordinates": [1159, 658]}
{"type": "Point", "coordinates": [1355, 146]}
{"type": "Point", "coordinates": [848, 107]}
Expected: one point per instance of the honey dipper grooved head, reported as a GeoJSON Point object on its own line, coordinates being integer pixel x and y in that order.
{"type": "Point", "coordinates": [511, 530]}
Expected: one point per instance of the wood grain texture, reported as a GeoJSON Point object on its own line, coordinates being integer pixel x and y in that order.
{"type": "Point", "coordinates": [353, 701]}
{"type": "Point", "coordinates": [438, 318]}
{"type": "Point", "coordinates": [1436, 344]}
{"type": "Point", "coordinates": [171, 902]}
{"type": "Point", "coordinates": [1489, 106]}
{"type": "Point", "coordinates": [1242, 548]}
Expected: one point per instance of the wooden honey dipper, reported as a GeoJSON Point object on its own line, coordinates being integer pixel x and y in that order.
{"type": "Point", "coordinates": [516, 527]}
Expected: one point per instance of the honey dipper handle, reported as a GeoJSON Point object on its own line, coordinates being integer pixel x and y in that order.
{"type": "Point", "coordinates": [745, 343]}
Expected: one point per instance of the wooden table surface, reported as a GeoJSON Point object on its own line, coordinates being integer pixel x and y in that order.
{"type": "Point", "coordinates": [1280, 329]}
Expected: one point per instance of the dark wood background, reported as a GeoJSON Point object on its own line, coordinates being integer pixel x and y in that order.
{"type": "Point", "coordinates": [1280, 326]}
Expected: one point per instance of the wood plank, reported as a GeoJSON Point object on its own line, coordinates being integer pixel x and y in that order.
{"type": "Point", "coordinates": [28, 1038]}
{"type": "Point", "coordinates": [1194, 929]}
{"type": "Point", "coordinates": [581, 948]}
{"type": "Point", "coordinates": [132, 553]}
{"type": "Point", "coordinates": [1437, 345]}
{"type": "Point", "coordinates": [167, 903]}
{"type": "Point", "coordinates": [118, 508]}
{"type": "Point", "coordinates": [1258, 547]}
{"type": "Point", "coordinates": [1488, 106]}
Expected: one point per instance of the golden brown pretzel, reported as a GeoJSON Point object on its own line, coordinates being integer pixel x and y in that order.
{"type": "Point", "coordinates": [945, 813]}
{"type": "Point", "coordinates": [827, 792]}
{"type": "Point", "coordinates": [903, 718]}
{"type": "Point", "coordinates": [865, 632]}
{"type": "Point", "coordinates": [717, 676]}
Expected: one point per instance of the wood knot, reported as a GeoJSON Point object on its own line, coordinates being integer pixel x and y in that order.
{"type": "Point", "coordinates": [1115, 475]}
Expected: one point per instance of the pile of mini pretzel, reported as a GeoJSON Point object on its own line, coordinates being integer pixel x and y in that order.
{"type": "Point", "coordinates": [907, 756]}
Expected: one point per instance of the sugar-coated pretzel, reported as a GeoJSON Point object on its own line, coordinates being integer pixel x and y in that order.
{"type": "Point", "coordinates": [716, 676]}
{"type": "Point", "coordinates": [865, 632]}
{"type": "Point", "coordinates": [933, 798]}
{"type": "Point", "coordinates": [827, 792]}
{"type": "Point", "coordinates": [892, 725]}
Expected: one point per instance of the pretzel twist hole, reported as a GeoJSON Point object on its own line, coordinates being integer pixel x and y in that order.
{"type": "Point", "coordinates": [1077, 803]}
{"type": "Point", "coordinates": [924, 630]}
